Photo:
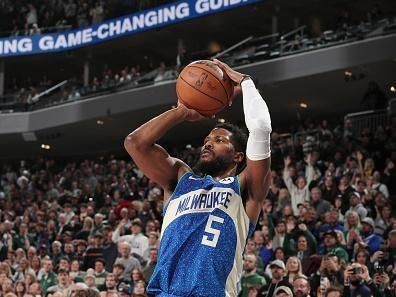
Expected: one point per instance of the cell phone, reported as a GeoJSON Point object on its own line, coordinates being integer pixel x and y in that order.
{"type": "Point", "coordinates": [380, 269]}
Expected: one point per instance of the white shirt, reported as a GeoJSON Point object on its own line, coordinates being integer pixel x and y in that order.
{"type": "Point", "coordinates": [139, 242]}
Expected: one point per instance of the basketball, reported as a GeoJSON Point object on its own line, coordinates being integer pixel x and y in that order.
{"type": "Point", "coordinates": [204, 87]}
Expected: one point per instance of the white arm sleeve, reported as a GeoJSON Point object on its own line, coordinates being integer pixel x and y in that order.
{"type": "Point", "coordinates": [258, 122]}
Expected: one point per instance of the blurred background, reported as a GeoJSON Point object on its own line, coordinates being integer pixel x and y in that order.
{"type": "Point", "coordinates": [69, 193]}
{"type": "Point", "coordinates": [310, 59]}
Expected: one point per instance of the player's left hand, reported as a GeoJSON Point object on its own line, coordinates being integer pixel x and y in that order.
{"type": "Point", "coordinates": [235, 76]}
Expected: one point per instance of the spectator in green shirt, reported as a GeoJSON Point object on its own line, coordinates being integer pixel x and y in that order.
{"type": "Point", "coordinates": [22, 239]}
{"type": "Point", "coordinates": [49, 278]}
{"type": "Point", "coordinates": [100, 274]}
{"type": "Point", "coordinates": [250, 276]}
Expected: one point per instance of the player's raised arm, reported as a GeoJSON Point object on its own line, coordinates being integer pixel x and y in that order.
{"type": "Point", "coordinates": [255, 178]}
{"type": "Point", "coordinates": [151, 158]}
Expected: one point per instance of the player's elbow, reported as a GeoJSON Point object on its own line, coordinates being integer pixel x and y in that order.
{"type": "Point", "coordinates": [133, 142]}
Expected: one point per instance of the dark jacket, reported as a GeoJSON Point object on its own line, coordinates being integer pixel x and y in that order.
{"type": "Point", "coordinates": [269, 290]}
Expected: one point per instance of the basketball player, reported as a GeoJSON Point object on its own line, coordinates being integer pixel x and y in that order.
{"type": "Point", "coordinates": [207, 220]}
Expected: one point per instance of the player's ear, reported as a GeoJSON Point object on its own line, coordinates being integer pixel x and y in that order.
{"type": "Point", "coordinates": [239, 157]}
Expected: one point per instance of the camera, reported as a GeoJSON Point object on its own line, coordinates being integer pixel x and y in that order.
{"type": "Point", "coordinates": [356, 270]}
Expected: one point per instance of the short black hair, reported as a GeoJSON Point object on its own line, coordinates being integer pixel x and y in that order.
{"type": "Point", "coordinates": [239, 140]}
{"type": "Point", "coordinates": [239, 137]}
{"type": "Point", "coordinates": [333, 289]}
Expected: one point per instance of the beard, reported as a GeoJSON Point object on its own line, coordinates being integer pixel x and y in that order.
{"type": "Point", "coordinates": [300, 294]}
{"type": "Point", "coordinates": [213, 167]}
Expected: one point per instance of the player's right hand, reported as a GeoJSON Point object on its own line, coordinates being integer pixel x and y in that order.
{"type": "Point", "coordinates": [190, 114]}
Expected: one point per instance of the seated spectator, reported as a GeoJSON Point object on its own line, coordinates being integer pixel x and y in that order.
{"type": "Point", "coordinates": [250, 276]}
{"type": "Point", "coordinates": [127, 260]}
{"type": "Point", "coordinates": [100, 274]}
{"type": "Point", "coordinates": [331, 245]}
{"type": "Point", "coordinates": [293, 269]}
{"type": "Point", "coordinates": [331, 267]}
{"type": "Point", "coordinates": [368, 238]}
{"type": "Point", "coordinates": [283, 291]}
{"type": "Point", "coordinates": [280, 234]}
{"type": "Point", "coordinates": [321, 206]}
{"type": "Point", "coordinates": [63, 285]}
{"type": "Point", "coordinates": [301, 287]}
{"type": "Point", "coordinates": [383, 219]}
{"type": "Point", "coordinates": [355, 203]}
{"type": "Point", "coordinates": [278, 279]}
{"type": "Point", "coordinates": [357, 281]}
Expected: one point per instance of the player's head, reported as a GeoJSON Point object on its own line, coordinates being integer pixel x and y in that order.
{"type": "Point", "coordinates": [223, 149]}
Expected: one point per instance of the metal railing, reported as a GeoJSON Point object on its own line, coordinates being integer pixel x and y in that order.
{"type": "Point", "coordinates": [283, 39]}
{"type": "Point", "coordinates": [370, 119]}
{"type": "Point", "coordinates": [231, 48]}
{"type": "Point", "coordinates": [392, 107]}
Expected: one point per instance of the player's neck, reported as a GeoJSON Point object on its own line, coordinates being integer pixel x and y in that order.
{"type": "Point", "coordinates": [226, 173]}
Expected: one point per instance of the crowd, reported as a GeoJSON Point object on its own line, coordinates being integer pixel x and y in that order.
{"type": "Point", "coordinates": [327, 227]}
{"type": "Point", "coordinates": [19, 17]}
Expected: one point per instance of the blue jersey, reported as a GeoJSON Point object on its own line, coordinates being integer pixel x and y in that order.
{"type": "Point", "coordinates": [203, 236]}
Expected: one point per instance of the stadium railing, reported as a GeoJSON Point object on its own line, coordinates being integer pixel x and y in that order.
{"type": "Point", "coordinates": [369, 119]}
{"type": "Point", "coordinates": [247, 51]}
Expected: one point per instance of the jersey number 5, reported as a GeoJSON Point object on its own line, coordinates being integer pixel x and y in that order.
{"type": "Point", "coordinates": [210, 230]}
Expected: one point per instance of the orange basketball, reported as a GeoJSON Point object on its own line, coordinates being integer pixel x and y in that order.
{"type": "Point", "coordinates": [204, 87]}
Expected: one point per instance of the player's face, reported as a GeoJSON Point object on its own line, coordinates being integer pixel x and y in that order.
{"type": "Point", "coordinates": [217, 152]}
{"type": "Point", "coordinates": [217, 143]}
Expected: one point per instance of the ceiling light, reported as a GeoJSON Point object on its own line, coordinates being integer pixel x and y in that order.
{"type": "Point", "coordinates": [45, 146]}
{"type": "Point", "coordinates": [348, 73]}
{"type": "Point", "coordinates": [303, 105]}
{"type": "Point", "coordinates": [393, 89]}
{"type": "Point", "coordinates": [100, 122]}
{"type": "Point", "coordinates": [221, 121]}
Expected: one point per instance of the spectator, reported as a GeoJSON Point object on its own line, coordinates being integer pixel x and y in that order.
{"type": "Point", "coordinates": [100, 274]}
{"type": "Point", "coordinates": [355, 284]}
{"type": "Point", "coordinates": [301, 287]}
{"type": "Point", "coordinates": [321, 206]}
{"type": "Point", "coordinates": [300, 192]}
{"type": "Point", "coordinates": [356, 204]}
{"type": "Point", "coordinates": [250, 276]}
{"type": "Point", "coordinates": [127, 260]}
{"type": "Point", "coordinates": [293, 269]}
{"type": "Point", "coordinates": [368, 238]}
{"type": "Point", "coordinates": [138, 241]}
{"type": "Point", "coordinates": [118, 272]}
{"type": "Point", "coordinates": [111, 288]}
{"type": "Point", "coordinates": [333, 292]}
{"type": "Point", "coordinates": [280, 234]}
{"type": "Point", "coordinates": [89, 280]}
{"type": "Point", "coordinates": [97, 13]}
{"type": "Point", "coordinates": [151, 263]}
{"type": "Point", "coordinates": [63, 283]}
{"type": "Point", "coordinates": [48, 278]}
{"type": "Point", "coordinates": [383, 219]}
{"type": "Point", "coordinates": [331, 245]}
{"type": "Point", "coordinates": [70, 12]}
{"type": "Point", "coordinates": [31, 16]}
{"type": "Point", "coordinates": [283, 291]}
{"type": "Point", "coordinates": [331, 267]}
{"type": "Point", "coordinates": [278, 279]}
{"type": "Point", "coordinates": [94, 252]}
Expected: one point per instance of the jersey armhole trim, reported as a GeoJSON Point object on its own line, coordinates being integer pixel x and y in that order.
{"type": "Point", "coordinates": [239, 186]}
{"type": "Point", "coordinates": [174, 191]}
